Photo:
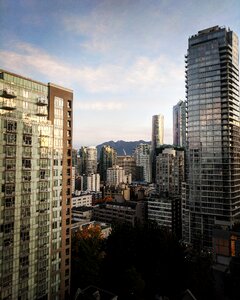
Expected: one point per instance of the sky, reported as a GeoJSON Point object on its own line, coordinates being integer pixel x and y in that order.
{"type": "Point", "coordinates": [124, 59]}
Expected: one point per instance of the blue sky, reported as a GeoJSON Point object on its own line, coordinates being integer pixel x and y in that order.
{"type": "Point", "coordinates": [124, 59]}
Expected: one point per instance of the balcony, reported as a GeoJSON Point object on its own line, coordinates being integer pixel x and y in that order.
{"type": "Point", "coordinates": [8, 93]}
{"type": "Point", "coordinates": [41, 101]}
{"type": "Point", "coordinates": [8, 104]}
{"type": "Point", "coordinates": [42, 111]}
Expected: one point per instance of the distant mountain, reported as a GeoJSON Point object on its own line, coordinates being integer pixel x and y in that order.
{"type": "Point", "coordinates": [122, 146]}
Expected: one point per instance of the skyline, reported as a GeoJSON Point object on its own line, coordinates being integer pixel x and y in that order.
{"type": "Point", "coordinates": [120, 59]}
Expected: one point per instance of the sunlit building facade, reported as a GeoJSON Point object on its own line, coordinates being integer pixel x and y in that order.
{"type": "Point", "coordinates": [108, 158]}
{"type": "Point", "coordinates": [142, 155]}
{"type": "Point", "coordinates": [35, 180]}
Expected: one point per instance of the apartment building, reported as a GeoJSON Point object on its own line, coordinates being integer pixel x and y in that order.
{"type": "Point", "coordinates": [35, 180]}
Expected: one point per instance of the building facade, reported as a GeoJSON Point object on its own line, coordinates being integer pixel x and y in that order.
{"type": "Point", "coordinates": [91, 160]}
{"type": "Point", "coordinates": [88, 160]}
{"type": "Point", "coordinates": [128, 163]}
{"type": "Point", "coordinates": [83, 199]}
{"type": "Point", "coordinates": [164, 206]}
{"type": "Point", "coordinates": [35, 179]}
{"type": "Point", "coordinates": [93, 182]}
{"type": "Point", "coordinates": [157, 141]}
{"type": "Point", "coordinates": [116, 175]}
{"type": "Point", "coordinates": [170, 172]}
{"type": "Point", "coordinates": [108, 157]}
{"type": "Point", "coordinates": [179, 124]}
{"type": "Point", "coordinates": [212, 191]}
{"type": "Point", "coordinates": [157, 131]}
{"type": "Point", "coordinates": [142, 156]}
{"type": "Point", "coordinates": [129, 212]}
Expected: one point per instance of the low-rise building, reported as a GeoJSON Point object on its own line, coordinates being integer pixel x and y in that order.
{"type": "Point", "coordinates": [166, 212]}
{"type": "Point", "coordinates": [82, 213]}
{"type": "Point", "coordinates": [81, 199]}
{"type": "Point", "coordinates": [128, 212]}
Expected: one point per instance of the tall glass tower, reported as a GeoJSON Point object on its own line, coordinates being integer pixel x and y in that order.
{"type": "Point", "coordinates": [157, 131]}
{"type": "Point", "coordinates": [157, 139]}
{"type": "Point", "coordinates": [212, 193]}
{"type": "Point", "coordinates": [179, 124]}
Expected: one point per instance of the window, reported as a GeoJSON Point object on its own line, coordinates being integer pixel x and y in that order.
{"type": "Point", "coordinates": [10, 138]}
{"type": "Point", "coordinates": [27, 140]}
{"type": "Point", "coordinates": [26, 163]}
{"type": "Point", "coordinates": [10, 164]}
{"type": "Point", "coordinates": [10, 125]}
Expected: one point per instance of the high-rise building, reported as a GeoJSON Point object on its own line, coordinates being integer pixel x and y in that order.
{"type": "Point", "coordinates": [157, 140]}
{"type": "Point", "coordinates": [108, 157]}
{"type": "Point", "coordinates": [91, 160]}
{"type": "Point", "coordinates": [170, 172]}
{"type": "Point", "coordinates": [83, 160]}
{"type": "Point", "coordinates": [35, 188]}
{"type": "Point", "coordinates": [93, 182]}
{"type": "Point", "coordinates": [157, 131]}
{"type": "Point", "coordinates": [88, 160]}
{"type": "Point", "coordinates": [142, 156]}
{"type": "Point", "coordinates": [212, 191]}
{"type": "Point", "coordinates": [128, 163]}
{"type": "Point", "coordinates": [179, 124]}
{"type": "Point", "coordinates": [164, 207]}
{"type": "Point", "coordinates": [116, 175]}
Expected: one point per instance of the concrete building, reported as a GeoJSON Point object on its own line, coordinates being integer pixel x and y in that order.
{"type": "Point", "coordinates": [164, 204]}
{"type": "Point", "coordinates": [81, 199]}
{"type": "Point", "coordinates": [170, 171]}
{"type": "Point", "coordinates": [166, 212]}
{"type": "Point", "coordinates": [93, 182]}
{"type": "Point", "coordinates": [128, 163]}
{"type": "Point", "coordinates": [212, 195]}
{"type": "Point", "coordinates": [35, 188]}
{"type": "Point", "coordinates": [179, 124]}
{"type": "Point", "coordinates": [142, 156]}
{"type": "Point", "coordinates": [127, 212]}
{"type": "Point", "coordinates": [116, 175]}
{"type": "Point", "coordinates": [81, 214]}
{"type": "Point", "coordinates": [73, 178]}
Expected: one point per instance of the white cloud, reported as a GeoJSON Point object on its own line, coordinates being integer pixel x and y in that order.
{"type": "Point", "coordinates": [143, 74]}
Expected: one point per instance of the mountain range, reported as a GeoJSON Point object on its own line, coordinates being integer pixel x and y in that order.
{"type": "Point", "coordinates": [122, 147]}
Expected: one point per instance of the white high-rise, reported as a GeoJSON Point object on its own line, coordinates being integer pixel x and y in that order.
{"type": "Point", "coordinates": [142, 156]}
{"type": "Point", "coordinates": [157, 131]}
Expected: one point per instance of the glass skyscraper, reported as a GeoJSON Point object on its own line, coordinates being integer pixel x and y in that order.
{"type": "Point", "coordinates": [157, 139]}
{"type": "Point", "coordinates": [211, 196]}
{"type": "Point", "coordinates": [179, 124]}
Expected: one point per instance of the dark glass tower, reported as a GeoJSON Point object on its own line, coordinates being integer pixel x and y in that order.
{"type": "Point", "coordinates": [179, 124]}
{"type": "Point", "coordinates": [212, 193]}
{"type": "Point", "coordinates": [108, 157]}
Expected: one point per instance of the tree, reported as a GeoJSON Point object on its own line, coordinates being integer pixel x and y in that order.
{"type": "Point", "coordinates": [87, 254]}
{"type": "Point", "coordinates": [142, 262]}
